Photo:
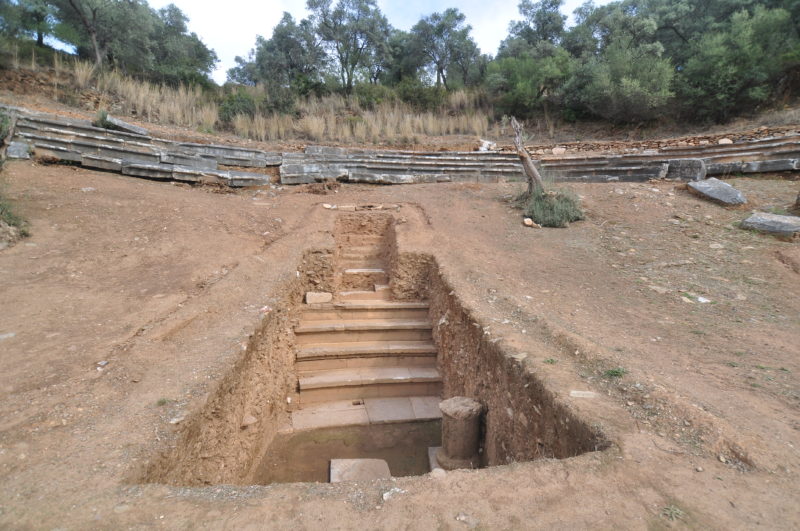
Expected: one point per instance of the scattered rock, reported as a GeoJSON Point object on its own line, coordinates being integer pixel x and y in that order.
{"type": "Point", "coordinates": [102, 363]}
{"type": "Point", "coordinates": [582, 394]}
{"type": "Point", "coordinates": [487, 145]}
{"type": "Point", "coordinates": [318, 297]}
{"type": "Point", "coordinates": [438, 473]}
{"type": "Point", "coordinates": [773, 223]}
{"type": "Point", "coordinates": [724, 141]}
{"type": "Point", "coordinates": [716, 246]}
{"type": "Point", "coordinates": [659, 289]}
{"type": "Point", "coordinates": [528, 222]}
{"type": "Point", "coordinates": [7, 335]}
{"type": "Point", "coordinates": [328, 206]}
{"type": "Point", "coordinates": [470, 521]}
{"type": "Point", "coordinates": [347, 208]}
{"type": "Point", "coordinates": [248, 420]}
{"type": "Point", "coordinates": [88, 189]}
{"type": "Point", "coordinates": [717, 190]}
{"type": "Point", "coordinates": [699, 469]}
{"type": "Point", "coordinates": [559, 150]}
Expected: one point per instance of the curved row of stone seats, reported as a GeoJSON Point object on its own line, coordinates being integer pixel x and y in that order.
{"type": "Point", "coordinates": [135, 154]}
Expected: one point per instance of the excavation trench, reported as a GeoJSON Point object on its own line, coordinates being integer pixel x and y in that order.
{"type": "Point", "coordinates": [361, 376]}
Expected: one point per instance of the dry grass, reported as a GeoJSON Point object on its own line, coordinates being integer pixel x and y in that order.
{"type": "Point", "coordinates": [186, 106]}
{"type": "Point", "coordinates": [333, 118]}
{"type": "Point", "coordinates": [82, 73]}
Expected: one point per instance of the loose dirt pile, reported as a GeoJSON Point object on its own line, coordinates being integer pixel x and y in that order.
{"type": "Point", "coordinates": [133, 300]}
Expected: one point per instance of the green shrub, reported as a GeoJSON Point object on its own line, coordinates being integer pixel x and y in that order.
{"type": "Point", "coordinates": [421, 97]}
{"type": "Point", "coordinates": [5, 126]}
{"type": "Point", "coordinates": [101, 120]}
{"type": "Point", "coordinates": [370, 96]}
{"type": "Point", "coordinates": [556, 208]}
{"type": "Point", "coordinates": [235, 103]}
{"type": "Point", "coordinates": [10, 217]}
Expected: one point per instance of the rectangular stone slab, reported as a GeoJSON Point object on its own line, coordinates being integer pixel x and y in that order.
{"type": "Point", "coordinates": [358, 470]}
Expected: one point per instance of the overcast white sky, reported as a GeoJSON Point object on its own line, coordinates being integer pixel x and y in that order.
{"type": "Point", "coordinates": [230, 27]}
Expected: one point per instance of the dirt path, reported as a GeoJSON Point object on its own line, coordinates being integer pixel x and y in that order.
{"type": "Point", "coordinates": [165, 283]}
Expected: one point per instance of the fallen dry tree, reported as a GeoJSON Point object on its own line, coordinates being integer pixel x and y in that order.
{"type": "Point", "coordinates": [548, 208]}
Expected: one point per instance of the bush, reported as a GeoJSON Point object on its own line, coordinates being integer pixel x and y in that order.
{"type": "Point", "coordinates": [8, 216]}
{"type": "Point", "coordinates": [420, 97]}
{"type": "Point", "coordinates": [556, 208]}
{"type": "Point", "coordinates": [5, 126]}
{"type": "Point", "coordinates": [370, 96]}
{"type": "Point", "coordinates": [236, 103]}
{"type": "Point", "coordinates": [102, 120]}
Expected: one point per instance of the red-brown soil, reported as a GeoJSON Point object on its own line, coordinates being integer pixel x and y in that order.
{"type": "Point", "coordinates": [165, 283]}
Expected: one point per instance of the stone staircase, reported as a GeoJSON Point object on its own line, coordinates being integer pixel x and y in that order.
{"type": "Point", "coordinates": [364, 358]}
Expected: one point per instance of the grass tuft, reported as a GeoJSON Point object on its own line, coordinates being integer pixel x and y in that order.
{"type": "Point", "coordinates": [8, 216]}
{"type": "Point", "coordinates": [553, 208]}
{"type": "Point", "coordinates": [618, 372]}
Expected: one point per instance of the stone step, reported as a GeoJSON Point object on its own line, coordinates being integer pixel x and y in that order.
{"type": "Point", "coordinates": [367, 411]}
{"type": "Point", "coordinates": [311, 332]}
{"type": "Point", "coordinates": [365, 295]}
{"type": "Point", "coordinates": [361, 263]}
{"type": "Point", "coordinates": [368, 382]}
{"type": "Point", "coordinates": [365, 361]}
{"type": "Point", "coordinates": [365, 310]}
{"type": "Point", "coordinates": [323, 351]}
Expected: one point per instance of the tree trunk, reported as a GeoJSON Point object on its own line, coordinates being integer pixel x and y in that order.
{"type": "Point", "coordinates": [40, 38]}
{"type": "Point", "coordinates": [91, 30]}
{"type": "Point", "coordinates": [531, 173]}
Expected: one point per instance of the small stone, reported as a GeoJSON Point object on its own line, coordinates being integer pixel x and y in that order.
{"type": "Point", "coordinates": [177, 420]}
{"type": "Point", "coordinates": [716, 246]}
{"type": "Point", "coordinates": [724, 141]}
{"type": "Point", "coordinates": [528, 222]}
{"type": "Point", "coordinates": [102, 363]}
{"type": "Point", "coordinates": [347, 208]}
{"type": "Point", "coordinates": [318, 297]}
{"type": "Point", "coordinates": [699, 469]}
{"type": "Point", "coordinates": [582, 394]}
{"type": "Point", "coordinates": [659, 289]}
{"type": "Point", "coordinates": [327, 205]}
{"type": "Point", "coordinates": [7, 335]}
{"type": "Point", "coordinates": [559, 150]}
{"type": "Point", "coordinates": [248, 420]}
{"type": "Point", "coordinates": [470, 521]}
{"type": "Point", "coordinates": [722, 459]}
{"type": "Point", "coordinates": [438, 473]}
{"type": "Point", "coordinates": [88, 189]}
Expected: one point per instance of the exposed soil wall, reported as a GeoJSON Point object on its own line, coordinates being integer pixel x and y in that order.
{"type": "Point", "coordinates": [221, 442]}
{"type": "Point", "coordinates": [523, 420]}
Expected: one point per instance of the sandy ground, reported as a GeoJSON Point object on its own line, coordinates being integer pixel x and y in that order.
{"type": "Point", "coordinates": [165, 282]}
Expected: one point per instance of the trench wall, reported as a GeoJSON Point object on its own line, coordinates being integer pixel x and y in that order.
{"type": "Point", "coordinates": [216, 444]}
